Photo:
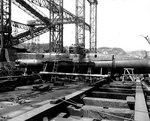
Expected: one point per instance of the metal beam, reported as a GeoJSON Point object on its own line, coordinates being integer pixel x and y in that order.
{"type": "Point", "coordinates": [73, 74]}
{"type": "Point", "coordinates": [56, 20]}
{"type": "Point", "coordinates": [141, 111]}
{"type": "Point", "coordinates": [56, 7]}
{"type": "Point", "coordinates": [56, 33]}
{"type": "Point", "coordinates": [25, 36]}
{"type": "Point", "coordinates": [32, 10]}
{"type": "Point", "coordinates": [5, 23]}
{"type": "Point", "coordinates": [20, 25]}
{"type": "Point", "coordinates": [33, 15]}
{"type": "Point", "coordinates": [5, 26]}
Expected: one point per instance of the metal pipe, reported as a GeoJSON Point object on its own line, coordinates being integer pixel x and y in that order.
{"type": "Point", "coordinates": [140, 66]}
{"type": "Point", "coordinates": [98, 64]}
{"type": "Point", "coordinates": [73, 74]}
{"type": "Point", "coordinates": [124, 63]}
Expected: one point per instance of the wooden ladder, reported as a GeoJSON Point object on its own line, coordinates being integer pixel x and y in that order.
{"type": "Point", "coordinates": [89, 71]}
{"type": "Point", "coordinates": [55, 68]}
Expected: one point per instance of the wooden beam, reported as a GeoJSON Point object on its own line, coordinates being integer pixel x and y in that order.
{"type": "Point", "coordinates": [141, 111]}
{"type": "Point", "coordinates": [107, 113]}
{"type": "Point", "coordinates": [126, 85]}
{"type": "Point", "coordinates": [110, 95]}
{"type": "Point", "coordinates": [48, 109]}
{"type": "Point", "coordinates": [120, 90]}
{"type": "Point", "coordinates": [104, 102]}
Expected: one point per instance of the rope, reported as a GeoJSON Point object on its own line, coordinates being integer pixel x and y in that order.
{"type": "Point", "coordinates": [71, 102]}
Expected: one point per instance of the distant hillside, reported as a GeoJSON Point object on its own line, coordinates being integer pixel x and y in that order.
{"type": "Point", "coordinates": [141, 54]}
{"type": "Point", "coordinates": [120, 54]}
{"type": "Point", "coordinates": [114, 51]}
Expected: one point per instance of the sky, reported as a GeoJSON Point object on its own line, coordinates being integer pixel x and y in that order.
{"type": "Point", "coordinates": [120, 23]}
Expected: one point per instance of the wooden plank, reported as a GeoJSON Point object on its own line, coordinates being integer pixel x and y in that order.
{"type": "Point", "coordinates": [107, 113]}
{"type": "Point", "coordinates": [126, 85]}
{"type": "Point", "coordinates": [103, 102]}
{"type": "Point", "coordinates": [121, 90]}
{"type": "Point", "coordinates": [131, 102]}
{"type": "Point", "coordinates": [141, 111]}
{"type": "Point", "coordinates": [37, 112]}
{"type": "Point", "coordinates": [73, 118]}
{"type": "Point", "coordinates": [61, 119]}
{"type": "Point", "coordinates": [110, 95]}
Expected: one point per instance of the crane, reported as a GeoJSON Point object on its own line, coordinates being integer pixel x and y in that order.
{"type": "Point", "coordinates": [147, 38]}
{"type": "Point", "coordinates": [46, 24]}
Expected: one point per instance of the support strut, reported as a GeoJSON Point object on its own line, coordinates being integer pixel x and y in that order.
{"type": "Point", "coordinates": [5, 27]}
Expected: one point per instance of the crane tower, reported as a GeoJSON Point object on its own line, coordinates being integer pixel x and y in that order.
{"type": "Point", "coordinates": [5, 27]}
{"type": "Point", "coordinates": [80, 27]}
{"type": "Point", "coordinates": [56, 32]}
{"type": "Point", "coordinates": [93, 24]}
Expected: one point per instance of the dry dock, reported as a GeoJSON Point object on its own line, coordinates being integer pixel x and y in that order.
{"type": "Point", "coordinates": [103, 100]}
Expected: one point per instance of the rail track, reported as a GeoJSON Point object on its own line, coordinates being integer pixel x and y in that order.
{"type": "Point", "coordinates": [104, 100]}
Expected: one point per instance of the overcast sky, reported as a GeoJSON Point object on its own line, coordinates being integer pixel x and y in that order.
{"type": "Point", "coordinates": [120, 23]}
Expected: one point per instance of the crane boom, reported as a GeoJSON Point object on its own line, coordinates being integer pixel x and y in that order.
{"type": "Point", "coordinates": [56, 7]}
{"type": "Point", "coordinates": [68, 18]}
{"type": "Point", "coordinates": [147, 38]}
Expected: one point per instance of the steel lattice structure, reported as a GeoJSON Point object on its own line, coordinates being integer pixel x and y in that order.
{"type": "Point", "coordinates": [5, 26]}
{"type": "Point", "coordinates": [56, 33]}
{"type": "Point", "coordinates": [54, 23]}
{"type": "Point", "coordinates": [80, 27]}
{"type": "Point", "coordinates": [5, 23]}
{"type": "Point", "coordinates": [68, 18]}
{"type": "Point", "coordinates": [93, 23]}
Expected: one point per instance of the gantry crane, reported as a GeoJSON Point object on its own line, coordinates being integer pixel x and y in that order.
{"type": "Point", "coordinates": [93, 25]}
{"type": "Point", "coordinates": [54, 24]}
{"type": "Point", "coordinates": [80, 27]}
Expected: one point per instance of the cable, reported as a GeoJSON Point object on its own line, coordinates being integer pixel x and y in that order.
{"type": "Point", "coordinates": [71, 103]}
